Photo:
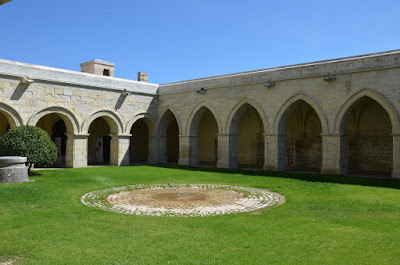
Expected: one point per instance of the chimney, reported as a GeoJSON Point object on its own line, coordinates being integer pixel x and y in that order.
{"type": "Point", "coordinates": [98, 67]}
{"type": "Point", "coordinates": [142, 77]}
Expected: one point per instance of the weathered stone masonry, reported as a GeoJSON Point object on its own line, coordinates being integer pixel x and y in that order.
{"type": "Point", "coordinates": [338, 116]}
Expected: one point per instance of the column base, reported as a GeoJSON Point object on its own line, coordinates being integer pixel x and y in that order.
{"type": "Point", "coordinates": [183, 161]}
{"type": "Point", "coordinates": [222, 164]}
{"type": "Point", "coordinates": [395, 175]}
{"type": "Point", "coordinates": [270, 168]}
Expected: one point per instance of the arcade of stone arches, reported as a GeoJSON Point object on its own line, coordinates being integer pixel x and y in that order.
{"type": "Point", "coordinates": [365, 127]}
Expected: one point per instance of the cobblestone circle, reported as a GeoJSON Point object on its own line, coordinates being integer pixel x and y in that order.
{"type": "Point", "coordinates": [195, 199]}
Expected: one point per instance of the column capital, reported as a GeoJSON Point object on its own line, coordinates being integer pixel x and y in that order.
{"type": "Point", "coordinates": [78, 136]}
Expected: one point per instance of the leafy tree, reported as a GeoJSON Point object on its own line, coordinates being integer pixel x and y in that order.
{"type": "Point", "coordinates": [31, 142]}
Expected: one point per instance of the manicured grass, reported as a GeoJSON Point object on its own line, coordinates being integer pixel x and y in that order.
{"type": "Point", "coordinates": [326, 220]}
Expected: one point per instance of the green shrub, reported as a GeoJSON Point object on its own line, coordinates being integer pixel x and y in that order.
{"type": "Point", "coordinates": [31, 142]}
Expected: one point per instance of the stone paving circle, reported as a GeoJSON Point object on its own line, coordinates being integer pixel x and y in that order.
{"type": "Point", "coordinates": [195, 199]}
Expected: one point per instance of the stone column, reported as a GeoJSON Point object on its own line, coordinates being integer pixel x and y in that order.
{"type": "Point", "coordinates": [274, 152]}
{"type": "Point", "coordinates": [334, 154]}
{"type": "Point", "coordinates": [123, 144]}
{"type": "Point", "coordinates": [396, 156]}
{"type": "Point", "coordinates": [233, 151]}
{"type": "Point", "coordinates": [76, 151]}
{"type": "Point", "coordinates": [162, 149]}
{"type": "Point", "coordinates": [188, 146]}
{"type": "Point", "coordinates": [223, 151]}
{"type": "Point", "coordinates": [152, 151]}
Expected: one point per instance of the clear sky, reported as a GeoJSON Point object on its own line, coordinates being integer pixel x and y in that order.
{"type": "Point", "coordinates": [177, 40]}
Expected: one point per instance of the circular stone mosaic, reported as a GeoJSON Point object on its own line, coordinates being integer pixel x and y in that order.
{"type": "Point", "coordinates": [193, 199]}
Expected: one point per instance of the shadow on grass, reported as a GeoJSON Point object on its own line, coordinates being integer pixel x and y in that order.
{"type": "Point", "coordinates": [373, 182]}
{"type": "Point", "coordinates": [32, 174]}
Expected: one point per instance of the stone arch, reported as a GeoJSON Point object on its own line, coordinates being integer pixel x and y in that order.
{"type": "Point", "coordinates": [150, 141]}
{"type": "Point", "coordinates": [367, 122]}
{"type": "Point", "coordinates": [195, 116]}
{"type": "Point", "coordinates": [290, 104]}
{"type": "Point", "coordinates": [65, 136]}
{"type": "Point", "coordinates": [203, 128]}
{"type": "Point", "coordinates": [70, 120]}
{"type": "Point", "coordinates": [13, 118]}
{"type": "Point", "coordinates": [239, 110]}
{"type": "Point", "coordinates": [348, 106]}
{"type": "Point", "coordinates": [112, 119]}
{"type": "Point", "coordinates": [165, 116]}
{"type": "Point", "coordinates": [300, 148]}
{"type": "Point", "coordinates": [168, 130]}
{"type": "Point", "coordinates": [246, 124]}
{"type": "Point", "coordinates": [149, 119]}
{"type": "Point", "coordinates": [106, 140]}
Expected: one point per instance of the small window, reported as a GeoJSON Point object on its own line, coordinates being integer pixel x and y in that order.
{"type": "Point", "coordinates": [106, 72]}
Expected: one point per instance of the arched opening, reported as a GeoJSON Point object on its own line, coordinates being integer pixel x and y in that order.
{"type": "Point", "coordinates": [247, 138]}
{"type": "Point", "coordinates": [173, 142]}
{"type": "Point", "coordinates": [250, 140]}
{"type": "Point", "coordinates": [55, 126]}
{"type": "Point", "coordinates": [139, 147]}
{"type": "Point", "coordinates": [303, 130]}
{"type": "Point", "coordinates": [99, 142]}
{"type": "Point", "coordinates": [4, 124]}
{"type": "Point", "coordinates": [207, 144]}
{"type": "Point", "coordinates": [369, 143]}
{"type": "Point", "coordinates": [168, 138]}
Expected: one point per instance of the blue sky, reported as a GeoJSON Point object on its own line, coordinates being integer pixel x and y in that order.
{"type": "Point", "coordinates": [177, 40]}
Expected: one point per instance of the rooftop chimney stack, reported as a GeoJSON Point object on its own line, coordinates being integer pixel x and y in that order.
{"type": "Point", "coordinates": [98, 67]}
{"type": "Point", "coordinates": [142, 77]}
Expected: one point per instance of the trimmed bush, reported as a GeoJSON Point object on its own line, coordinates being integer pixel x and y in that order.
{"type": "Point", "coordinates": [32, 142]}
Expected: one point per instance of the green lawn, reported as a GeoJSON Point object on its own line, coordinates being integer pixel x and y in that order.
{"type": "Point", "coordinates": [325, 220]}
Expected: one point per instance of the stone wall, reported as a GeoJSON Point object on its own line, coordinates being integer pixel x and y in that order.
{"type": "Point", "coordinates": [77, 98]}
{"type": "Point", "coordinates": [253, 123]}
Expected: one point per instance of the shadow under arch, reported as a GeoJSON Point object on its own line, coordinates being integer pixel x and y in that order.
{"type": "Point", "coordinates": [168, 131]}
{"type": "Point", "coordinates": [246, 142]}
{"type": "Point", "coordinates": [363, 141]}
{"type": "Point", "coordinates": [65, 134]}
{"type": "Point", "coordinates": [349, 105]}
{"type": "Point", "coordinates": [112, 118]}
{"type": "Point", "coordinates": [148, 139]}
{"type": "Point", "coordinates": [66, 115]}
{"type": "Point", "coordinates": [240, 108]}
{"type": "Point", "coordinates": [196, 114]}
{"type": "Point", "coordinates": [287, 156]}
{"type": "Point", "coordinates": [105, 142]}
{"type": "Point", "coordinates": [203, 128]}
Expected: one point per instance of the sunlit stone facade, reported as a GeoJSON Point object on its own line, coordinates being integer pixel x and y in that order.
{"type": "Point", "coordinates": [338, 116]}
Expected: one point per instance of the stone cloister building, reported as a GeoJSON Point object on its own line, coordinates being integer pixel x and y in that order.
{"type": "Point", "coordinates": [337, 116]}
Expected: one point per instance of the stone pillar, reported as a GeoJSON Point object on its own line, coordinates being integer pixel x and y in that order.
{"type": "Point", "coordinates": [233, 151]}
{"type": "Point", "coordinates": [223, 151]}
{"type": "Point", "coordinates": [162, 149]}
{"type": "Point", "coordinates": [183, 150]}
{"type": "Point", "coordinates": [334, 154]}
{"type": "Point", "coordinates": [152, 151]}
{"type": "Point", "coordinates": [123, 144]}
{"type": "Point", "coordinates": [274, 152]}
{"type": "Point", "coordinates": [396, 156]}
{"type": "Point", "coordinates": [76, 151]}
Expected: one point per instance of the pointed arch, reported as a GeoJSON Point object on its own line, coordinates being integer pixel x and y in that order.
{"type": "Point", "coordinates": [196, 115]}
{"type": "Point", "coordinates": [165, 118]}
{"type": "Point", "coordinates": [148, 118]}
{"type": "Point", "coordinates": [112, 118]}
{"type": "Point", "coordinates": [239, 109]}
{"type": "Point", "coordinates": [145, 143]}
{"type": "Point", "coordinates": [290, 104]}
{"type": "Point", "coordinates": [70, 120]}
{"type": "Point", "coordinates": [345, 109]}
{"type": "Point", "coordinates": [14, 119]}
